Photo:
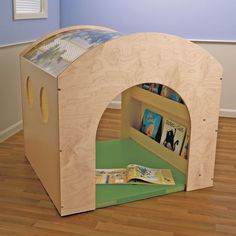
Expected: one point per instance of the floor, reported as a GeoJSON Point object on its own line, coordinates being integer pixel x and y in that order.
{"type": "Point", "coordinates": [25, 208]}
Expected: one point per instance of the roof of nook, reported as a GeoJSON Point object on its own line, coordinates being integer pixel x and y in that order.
{"type": "Point", "coordinates": [57, 51]}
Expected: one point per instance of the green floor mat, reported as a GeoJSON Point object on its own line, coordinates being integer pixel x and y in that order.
{"type": "Point", "coordinates": [120, 153]}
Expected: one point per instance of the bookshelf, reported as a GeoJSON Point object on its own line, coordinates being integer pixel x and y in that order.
{"type": "Point", "coordinates": [136, 147]}
{"type": "Point", "coordinates": [134, 101]}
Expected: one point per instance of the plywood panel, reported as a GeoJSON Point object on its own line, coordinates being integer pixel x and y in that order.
{"type": "Point", "coordinates": [131, 113]}
{"type": "Point", "coordinates": [41, 135]}
{"type": "Point", "coordinates": [90, 83]}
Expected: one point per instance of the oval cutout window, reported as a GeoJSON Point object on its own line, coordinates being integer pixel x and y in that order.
{"type": "Point", "coordinates": [44, 104]}
{"type": "Point", "coordinates": [29, 91]}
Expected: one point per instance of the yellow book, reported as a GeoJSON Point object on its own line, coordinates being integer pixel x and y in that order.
{"type": "Point", "coordinates": [134, 174]}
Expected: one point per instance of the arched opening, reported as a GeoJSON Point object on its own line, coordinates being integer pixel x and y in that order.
{"type": "Point", "coordinates": [151, 129]}
{"type": "Point", "coordinates": [29, 91]}
{"type": "Point", "coordinates": [44, 104]}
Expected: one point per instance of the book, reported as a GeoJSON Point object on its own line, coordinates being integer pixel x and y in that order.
{"type": "Point", "coordinates": [185, 149]}
{"type": "Point", "coordinates": [155, 88]}
{"type": "Point", "coordinates": [169, 93]}
{"type": "Point", "coordinates": [173, 135]}
{"type": "Point", "coordinates": [150, 123]}
{"type": "Point", "coordinates": [146, 86]}
{"type": "Point", "coordinates": [134, 174]}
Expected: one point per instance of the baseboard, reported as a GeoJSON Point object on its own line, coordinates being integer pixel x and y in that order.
{"type": "Point", "coordinates": [115, 105]}
{"type": "Point", "coordinates": [228, 113]}
{"type": "Point", "coordinates": [13, 129]}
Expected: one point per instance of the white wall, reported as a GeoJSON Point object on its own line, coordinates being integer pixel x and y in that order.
{"type": "Point", "coordinates": [226, 55]}
{"type": "Point", "coordinates": [10, 96]}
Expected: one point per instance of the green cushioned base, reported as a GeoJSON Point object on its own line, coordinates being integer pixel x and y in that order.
{"type": "Point", "coordinates": [120, 153]}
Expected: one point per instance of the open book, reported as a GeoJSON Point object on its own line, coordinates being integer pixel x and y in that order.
{"type": "Point", "coordinates": [134, 174]}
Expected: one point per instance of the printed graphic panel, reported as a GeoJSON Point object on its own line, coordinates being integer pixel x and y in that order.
{"type": "Point", "coordinates": [56, 53]}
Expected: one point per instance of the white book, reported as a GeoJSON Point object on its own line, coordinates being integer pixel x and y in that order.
{"type": "Point", "coordinates": [173, 135]}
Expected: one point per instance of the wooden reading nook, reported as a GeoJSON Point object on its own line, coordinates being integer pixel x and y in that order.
{"type": "Point", "coordinates": [69, 77]}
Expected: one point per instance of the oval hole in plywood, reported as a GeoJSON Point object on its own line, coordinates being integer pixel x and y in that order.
{"type": "Point", "coordinates": [29, 91]}
{"type": "Point", "coordinates": [44, 104]}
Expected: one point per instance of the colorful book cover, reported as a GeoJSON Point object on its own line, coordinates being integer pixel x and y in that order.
{"type": "Point", "coordinates": [134, 174]}
{"type": "Point", "coordinates": [169, 93]}
{"type": "Point", "coordinates": [173, 135]}
{"type": "Point", "coordinates": [111, 176]}
{"type": "Point", "coordinates": [150, 123]}
{"type": "Point", "coordinates": [185, 150]}
{"type": "Point", "coordinates": [146, 86]}
{"type": "Point", "coordinates": [155, 88]}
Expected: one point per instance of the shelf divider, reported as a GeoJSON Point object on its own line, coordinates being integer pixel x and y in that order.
{"type": "Point", "coordinates": [165, 105]}
{"type": "Point", "coordinates": [158, 149]}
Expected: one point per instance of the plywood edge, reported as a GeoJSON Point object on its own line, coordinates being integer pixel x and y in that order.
{"type": "Point", "coordinates": [71, 211]}
{"type": "Point", "coordinates": [130, 113]}
{"type": "Point", "coordinates": [159, 150]}
{"type": "Point", "coordinates": [206, 184]}
{"type": "Point", "coordinates": [77, 27]}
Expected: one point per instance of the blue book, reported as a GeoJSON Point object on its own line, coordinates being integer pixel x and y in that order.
{"type": "Point", "coordinates": [150, 123]}
{"type": "Point", "coordinates": [146, 86]}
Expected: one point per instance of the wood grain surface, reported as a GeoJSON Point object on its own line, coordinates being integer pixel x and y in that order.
{"type": "Point", "coordinates": [26, 209]}
{"type": "Point", "coordinates": [91, 82]}
{"type": "Point", "coordinates": [81, 93]}
{"type": "Point", "coordinates": [41, 134]}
